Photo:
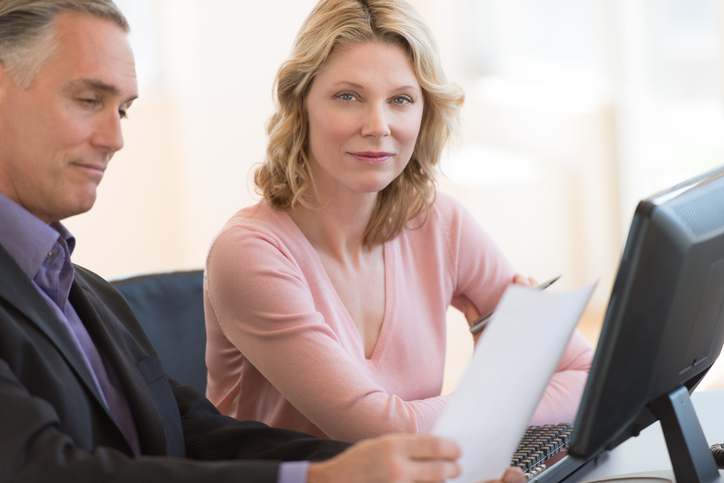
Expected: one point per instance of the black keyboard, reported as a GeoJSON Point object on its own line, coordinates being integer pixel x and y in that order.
{"type": "Point", "coordinates": [541, 447]}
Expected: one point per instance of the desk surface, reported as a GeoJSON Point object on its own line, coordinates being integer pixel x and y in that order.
{"type": "Point", "coordinates": [646, 455]}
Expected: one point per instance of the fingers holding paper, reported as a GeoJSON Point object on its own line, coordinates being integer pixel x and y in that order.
{"type": "Point", "coordinates": [398, 458]}
{"type": "Point", "coordinates": [394, 458]}
{"type": "Point", "coordinates": [512, 475]}
{"type": "Point", "coordinates": [527, 281]}
{"type": "Point", "coordinates": [472, 315]}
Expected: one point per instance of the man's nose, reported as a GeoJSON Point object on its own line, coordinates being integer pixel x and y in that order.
{"type": "Point", "coordinates": [108, 133]}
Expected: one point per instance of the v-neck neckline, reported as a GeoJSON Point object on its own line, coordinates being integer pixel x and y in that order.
{"type": "Point", "coordinates": [388, 255]}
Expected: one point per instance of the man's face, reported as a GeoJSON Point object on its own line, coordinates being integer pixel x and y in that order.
{"type": "Point", "coordinates": [58, 135]}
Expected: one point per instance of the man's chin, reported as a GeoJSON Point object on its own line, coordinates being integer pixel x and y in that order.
{"type": "Point", "coordinates": [78, 207]}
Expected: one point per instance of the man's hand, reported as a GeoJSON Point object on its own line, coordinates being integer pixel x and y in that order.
{"type": "Point", "coordinates": [397, 458]}
{"type": "Point", "coordinates": [391, 458]}
{"type": "Point", "coordinates": [512, 475]}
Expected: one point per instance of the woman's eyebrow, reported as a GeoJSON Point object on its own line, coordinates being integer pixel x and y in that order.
{"type": "Point", "coordinates": [360, 86]}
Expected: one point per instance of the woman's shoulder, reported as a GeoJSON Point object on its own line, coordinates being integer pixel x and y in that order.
{"type": "Point", "coordinates": [448, 224]}
{"type": "Point", "coordinates": [259, 221]}
{"type": "Point", "coordinates": [447, 205]}
{"type": "Point", "coordinates": [260, 217]}
{"type": "Point", "coordinates": [431, 229]}
{"type": "Point", "coordinates": [444, 209]}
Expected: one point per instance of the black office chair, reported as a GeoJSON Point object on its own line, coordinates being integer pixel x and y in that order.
{"type": "Point", "coordinates": [170, 308]}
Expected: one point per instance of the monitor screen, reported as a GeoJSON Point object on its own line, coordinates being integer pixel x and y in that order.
{"type": "Point", "coordinates": [664, 325]}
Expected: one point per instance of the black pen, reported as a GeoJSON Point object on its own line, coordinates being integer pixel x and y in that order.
{"type": "Point", "coordinates": [480, 323]}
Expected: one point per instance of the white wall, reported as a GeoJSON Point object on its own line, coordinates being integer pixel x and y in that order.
{"type": "Point", "coordinates": [192, 136]}
{"type": "Point", "coordinates": [539, 177]}
{"type": "Point", "coordinates": [198, 128]}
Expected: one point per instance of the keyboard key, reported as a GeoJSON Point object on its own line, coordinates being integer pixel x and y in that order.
{"type": "Point", "coordinates": [538, 444]}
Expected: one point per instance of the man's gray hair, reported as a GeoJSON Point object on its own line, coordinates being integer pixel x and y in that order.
{"type": "Point", "coordinates": [26, 31]}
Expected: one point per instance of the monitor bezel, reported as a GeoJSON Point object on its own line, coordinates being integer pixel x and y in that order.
{"type": "Point", "coordinates": [618, 324]}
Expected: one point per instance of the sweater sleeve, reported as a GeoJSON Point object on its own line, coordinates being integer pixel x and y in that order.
{"type": "Point", "coordinates": [565, 389]}
{"type": "Point", "coordinates": [264, 306]}
{"type": "Point", "coordinates": [562, 397]}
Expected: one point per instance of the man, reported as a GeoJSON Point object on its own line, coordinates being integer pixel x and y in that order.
{"type": "Point", "coordinates": [83, 395]}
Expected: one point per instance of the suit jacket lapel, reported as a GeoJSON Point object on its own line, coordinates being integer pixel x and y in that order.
{"type": "Point", "coordinates": [109, 334]}
{"type": "Point", "coordinates": [17, 290]}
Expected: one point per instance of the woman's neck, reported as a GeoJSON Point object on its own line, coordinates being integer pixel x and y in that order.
{"type": "Point", "coordinates": [336, 228]}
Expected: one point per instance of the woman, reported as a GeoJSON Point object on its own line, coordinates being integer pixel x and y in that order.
{"type": "Point", "coordinates": [325, 302]}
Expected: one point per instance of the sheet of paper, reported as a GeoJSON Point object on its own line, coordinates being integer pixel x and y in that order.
{"type": "Point", "coordinates": [514, 359]}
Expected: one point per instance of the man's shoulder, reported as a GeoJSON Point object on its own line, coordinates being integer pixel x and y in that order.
{"type": "Point", "coordinates": [100, 292]}
{"type": "Point", "coordinates": [92, 281]}
{"type": "Point", "coordinates": [88, 275]}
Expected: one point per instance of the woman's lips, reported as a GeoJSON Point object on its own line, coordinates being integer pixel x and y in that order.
{"type": "Point", "coordinates": [371, 157]}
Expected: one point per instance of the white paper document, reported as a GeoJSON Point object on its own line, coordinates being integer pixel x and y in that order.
{"type": "Point", "coordinates": [514, 359]}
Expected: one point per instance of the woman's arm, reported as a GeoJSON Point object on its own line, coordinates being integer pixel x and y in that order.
{"type": "Point", "coordinates": [562, 396]}
{"type": "Point", "coordinates": [559, 403]}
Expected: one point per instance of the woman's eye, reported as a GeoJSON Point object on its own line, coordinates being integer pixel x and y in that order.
{"type": "Point", "coordinates": [346, 97]}
{"type": "Point", "coordinates": [402, 100]}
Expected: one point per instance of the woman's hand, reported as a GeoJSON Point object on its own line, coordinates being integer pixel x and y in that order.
{"type": "Point", "coordinates": [521, 280]}
{"type": "Point", "coordinates": [471, 312]}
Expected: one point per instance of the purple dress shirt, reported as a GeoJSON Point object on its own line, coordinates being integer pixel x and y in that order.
{"type": "Point", "coordinates": [43, 253]}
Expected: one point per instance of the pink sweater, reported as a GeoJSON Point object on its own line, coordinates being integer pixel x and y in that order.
{"type": "Point", "coordinates": [283, 349]}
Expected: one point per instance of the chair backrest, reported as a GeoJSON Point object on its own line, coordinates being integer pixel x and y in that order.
{"type": "Point", "coordinates": [170, 308]}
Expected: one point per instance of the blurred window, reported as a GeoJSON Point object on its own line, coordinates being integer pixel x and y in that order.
{"type": "Point", "coordinates": [671, 124]}
{"type": "Point", "coordinates": [657, 62]}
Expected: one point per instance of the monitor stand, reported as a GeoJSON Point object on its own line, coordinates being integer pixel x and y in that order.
{"type": "Point", "coordinates": [689, 452]}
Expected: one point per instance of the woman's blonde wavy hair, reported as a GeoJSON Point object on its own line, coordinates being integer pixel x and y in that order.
{"type": "Point", "coordinates": [284, 177]}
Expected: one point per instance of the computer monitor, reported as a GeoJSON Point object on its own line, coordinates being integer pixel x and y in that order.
{"type": "Point", "coordinates": [663, 329]}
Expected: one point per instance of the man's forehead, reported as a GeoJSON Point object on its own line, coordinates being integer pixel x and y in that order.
{"type": "Point", "coordinates": [94, 53]}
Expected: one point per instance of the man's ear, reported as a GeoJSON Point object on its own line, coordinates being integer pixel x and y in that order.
{"type": "Point", "coordinates": [3, 81]}
{"type": "Point", "coordinates": [6, 80]}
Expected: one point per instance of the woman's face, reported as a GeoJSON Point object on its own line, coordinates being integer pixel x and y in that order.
{"type": "Point", "coordinates": [364, 111]}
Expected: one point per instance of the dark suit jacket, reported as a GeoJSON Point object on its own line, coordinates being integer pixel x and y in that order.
{"type": "Point", "coordinates": [54, 427]}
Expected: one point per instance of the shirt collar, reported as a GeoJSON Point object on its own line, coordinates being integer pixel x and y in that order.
{"type": "Point", "coordinates": [27, 238]}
